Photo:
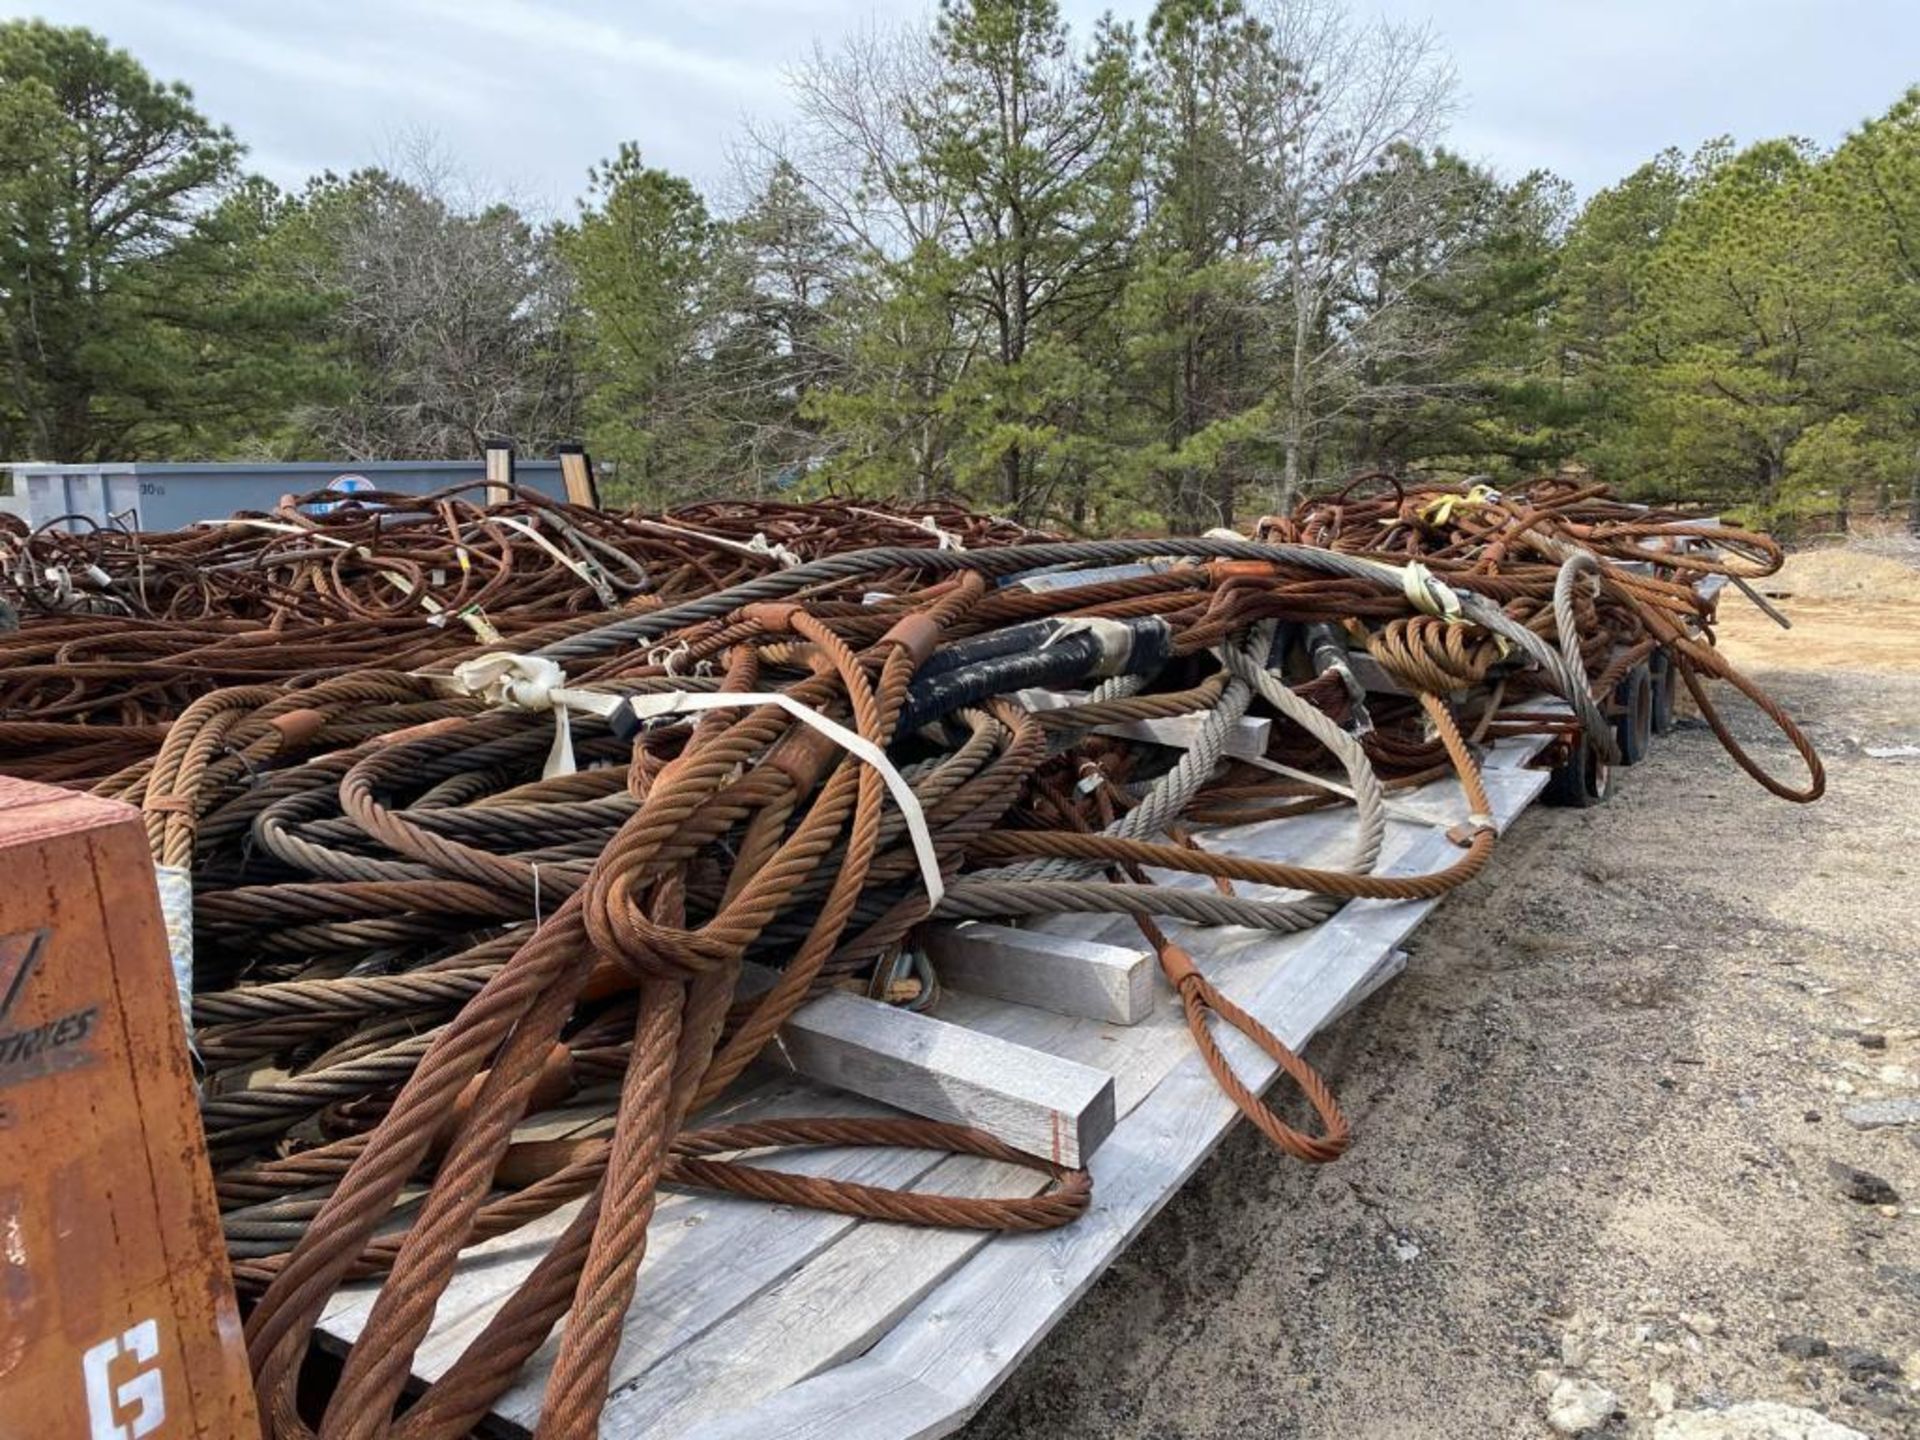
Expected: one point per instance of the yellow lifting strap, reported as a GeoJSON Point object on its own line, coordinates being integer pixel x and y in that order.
{"type": "Point", "coordinates": [1439, 510]}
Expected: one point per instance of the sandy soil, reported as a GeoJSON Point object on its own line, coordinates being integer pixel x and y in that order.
{"type": "Point", "coordinates": [1594, 1123]}
{"type": "Point", "coordinates": [1851, 610]}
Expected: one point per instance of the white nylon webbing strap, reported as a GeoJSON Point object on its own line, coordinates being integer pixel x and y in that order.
{"type": "Point", "coordinates": [531, 682]}
{"type": "Point", "coordinates": [1425, 590]}
{"type": "Point", "coordinates": [678, 702]}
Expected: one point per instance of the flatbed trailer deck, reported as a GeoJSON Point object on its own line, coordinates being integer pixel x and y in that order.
{"type": "Point", "coordinates": [769, 1321]}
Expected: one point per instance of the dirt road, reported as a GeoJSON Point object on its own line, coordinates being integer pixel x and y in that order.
{"type": "Point", "coordinates": [1595, 1123]}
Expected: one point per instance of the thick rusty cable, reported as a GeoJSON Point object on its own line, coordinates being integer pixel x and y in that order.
{"type": "Point", "coordinates": [439, 942]}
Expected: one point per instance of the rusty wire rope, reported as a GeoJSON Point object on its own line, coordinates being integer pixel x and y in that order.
{"type": "Point", "coordinates": [589, 827]}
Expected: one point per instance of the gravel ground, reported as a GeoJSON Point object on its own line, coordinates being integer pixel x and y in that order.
{"type": "Point", "coordinates": [1595, 1124]}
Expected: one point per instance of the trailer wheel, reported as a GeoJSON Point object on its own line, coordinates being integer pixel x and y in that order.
{"type": "Point", "coordinates": [1661, 668]}
{"type": "Point", "coordinates": [1582, 780]}
{"type": "Point", "coordinates": [1633, 730]}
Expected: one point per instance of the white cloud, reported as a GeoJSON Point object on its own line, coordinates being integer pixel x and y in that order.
{"type": "Point", "coordinates": [550, 27]}
{"type": "Point", "coordinates": [344, 60]}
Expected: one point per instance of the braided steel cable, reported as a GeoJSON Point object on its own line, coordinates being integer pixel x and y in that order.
{"type": "Point", "coordinates": [417, 928]}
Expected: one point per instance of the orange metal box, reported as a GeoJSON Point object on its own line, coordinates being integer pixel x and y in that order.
{"type": "Point", "coordinates": [117, 1316]}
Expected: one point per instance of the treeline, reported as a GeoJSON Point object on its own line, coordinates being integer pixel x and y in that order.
{"type": "Point", "coordinates": [1156, 275]}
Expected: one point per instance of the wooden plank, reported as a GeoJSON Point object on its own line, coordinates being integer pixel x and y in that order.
{"type": "Point", "coordinates": [1057, 1109]}
{"type": "Point", "coordinates": [861, 1400]}
{"type": "Point", "coordinates": [1388, 969]}
{"type": "Point", "coordinates": [970, 1332]}
{"type": "Point", "coordinates": [577, 471]}
{"type": "Point", "coordinates": [1247, 738]}
{"type": "Point", "coordinates": [499, 473]}
{"type": "Point", "coordinates": [1053, 972]}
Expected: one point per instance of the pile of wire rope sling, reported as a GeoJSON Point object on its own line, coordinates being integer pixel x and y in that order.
{"type": "Point", "coordinates": [435, 896]}
{"type": "Point", "coordinates": [118, 630]}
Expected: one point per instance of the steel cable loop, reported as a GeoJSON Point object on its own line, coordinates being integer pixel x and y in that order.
{"type": "Point", "coordinates": [1327, 890]}
{"type": "Point", "coordinates": [575, 1390]}
{"type": "Point", "coordinates": [1199, 997]}
{"type": "Point", "coordinates": [659, 1095]}
{"type": "Point", "coordinates": [1577, 563]}
{"type": "Point", "coordinates": [1689, 658]}
{"type": "Point", "coordinates": [996, 562]}
{"type": "Point", "coordinates": [1687, 653]}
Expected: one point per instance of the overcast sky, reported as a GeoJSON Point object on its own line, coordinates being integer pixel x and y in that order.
{"type": "Point", "coordinates": [526, 94]}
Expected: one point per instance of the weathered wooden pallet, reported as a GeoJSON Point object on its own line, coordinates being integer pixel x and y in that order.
{"type": "Point", "coordinates": [1062, 1037]}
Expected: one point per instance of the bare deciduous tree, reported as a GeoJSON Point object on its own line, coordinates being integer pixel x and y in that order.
{"type": "Point", "coordinates": [1359, 95]}
{"type": "Point", "coordinates": [852, 154]}
{"type": "Point", "coordinates": [451, 313]}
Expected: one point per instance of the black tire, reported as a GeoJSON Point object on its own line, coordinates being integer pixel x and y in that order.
{"type": "Point", "coordinates": [1580, 781]}
{"type": "Point", "coordinates": [1633, 729]}
{"type": "Point", "coordinates": [1664, 680]}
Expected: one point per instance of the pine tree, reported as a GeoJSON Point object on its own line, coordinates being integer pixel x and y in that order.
{"type": "Point", "coordinates": [1030, 149]}
{"type": "Point", "coordinates": [130, 320]}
